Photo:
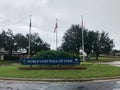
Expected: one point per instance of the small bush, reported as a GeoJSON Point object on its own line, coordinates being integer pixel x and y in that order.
{"type": "Point", "coordinates": [54, 54]}
{"type": "Point", "coordinates": [6, 57]}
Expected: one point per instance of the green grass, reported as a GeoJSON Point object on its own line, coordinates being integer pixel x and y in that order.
{"type": "Point", "coordinates": [92, 71]}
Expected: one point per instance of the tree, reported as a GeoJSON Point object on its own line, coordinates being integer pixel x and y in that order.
{"type": "Point", "coordinates": [106, 43]}
{"type": "Point", "coordinates": [102, 44]}
{"type": "Point", "coordinates": [10, 41]}
{"type": "Point", "coordinates": [89, 40]}
{"type": "Point", "coordinates": [72, 39]}
{"type": "Point", "coordinates": [94, 42]}
{"type": "Point", "coordinates": [7, 41]}
{"type": "Point", "coordinates": [15, 42]}
{"type": "Point", "coordinates": [37, 44]}
{"type": "Point", "coordinates": [3, 38]}
{"type": "Point", "coordinates": [20, 42]}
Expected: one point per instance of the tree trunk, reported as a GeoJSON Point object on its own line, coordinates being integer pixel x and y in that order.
{"type": "Point", "coordinates": [10, 53]}
{"type": "Point", "coordinates": [88, 58]}
{"type": "Point", "coordinates": [97, 55]}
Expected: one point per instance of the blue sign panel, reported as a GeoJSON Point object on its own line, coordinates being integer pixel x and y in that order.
{"type": "Point", "coordinates": [49, 61]}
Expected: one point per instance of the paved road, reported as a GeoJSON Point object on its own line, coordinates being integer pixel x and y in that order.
{"type": "Point", "coordinates": [114, 63]}
{"type": "Point", "coordinates": [104, 85]}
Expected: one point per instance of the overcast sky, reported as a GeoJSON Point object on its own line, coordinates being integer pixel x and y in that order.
{"type": "Point", "coordinates": [102, 15]}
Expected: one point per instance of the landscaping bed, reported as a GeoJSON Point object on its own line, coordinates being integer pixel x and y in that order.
{"type": "Point", "coordinates": [54, 68]}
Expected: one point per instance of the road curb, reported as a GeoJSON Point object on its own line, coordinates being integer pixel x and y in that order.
{"type": "Point", "coordinates": [45, 80]}
{"type": "Point", "coordinates": [60, 80]}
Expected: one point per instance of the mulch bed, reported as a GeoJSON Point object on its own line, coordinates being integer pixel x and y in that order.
{"type": "Point", "coordinates": [54, 68]}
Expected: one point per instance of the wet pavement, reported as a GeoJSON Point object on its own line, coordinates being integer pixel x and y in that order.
{"type": "Point", "coordinates": [103, 85]}
{"type": "Point", "coordinates": [114, 63]}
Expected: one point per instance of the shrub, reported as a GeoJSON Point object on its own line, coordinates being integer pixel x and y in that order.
{"type": "Point", "coordinates": [6, 57]}
{"type": "Point", "coordinates": [54, 54]}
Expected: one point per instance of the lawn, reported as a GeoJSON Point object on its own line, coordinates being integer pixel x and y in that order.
{"type": "Point", "coordinates": [92, 71]}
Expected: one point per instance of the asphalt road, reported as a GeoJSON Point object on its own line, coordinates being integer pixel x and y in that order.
{"type": "Point", "coordinates": [103, 85]}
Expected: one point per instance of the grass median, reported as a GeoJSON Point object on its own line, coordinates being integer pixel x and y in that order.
{"type": "Point", "coordinates": [92, 71]}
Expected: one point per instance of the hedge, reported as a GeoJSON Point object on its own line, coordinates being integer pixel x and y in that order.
{"type": "Point", "coordinates": [54, 54]}
{"type": "Point", "coordinates": [7, 57]}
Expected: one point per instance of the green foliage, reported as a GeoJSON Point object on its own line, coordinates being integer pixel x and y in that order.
{"type": "Point", "coordinates": [13, 43]}
{"type": "Point", "coordinates": [54, 54]}
{"type": "Point", "coordinates": [7, 57]}
{"type": "Point", "coordinates": [20, 41]}
{"type": "Point", "coordinates": [72, 39]}
{"type": "Point", "coordinates": [94, 42]}
{"type": "Point", "coordinates": [7, 40]}
{"type": "Point", "coordinates": [37, 44]}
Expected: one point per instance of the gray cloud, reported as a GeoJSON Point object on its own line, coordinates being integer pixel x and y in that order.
{"type": "Point", "coordinates": [97, 14]}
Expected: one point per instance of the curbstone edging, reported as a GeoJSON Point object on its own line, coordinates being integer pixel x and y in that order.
{"type": "Point", "coordinates": [60, 80]}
